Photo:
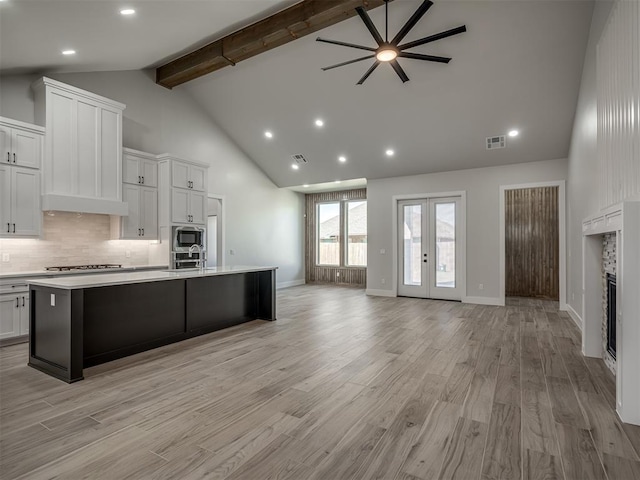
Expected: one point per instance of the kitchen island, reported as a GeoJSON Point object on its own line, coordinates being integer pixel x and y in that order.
{"type": "Point", "coordinates": [81, 321]}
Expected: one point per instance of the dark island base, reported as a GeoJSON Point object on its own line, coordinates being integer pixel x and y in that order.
{"type": "Point", "coordinates": [74, 329]}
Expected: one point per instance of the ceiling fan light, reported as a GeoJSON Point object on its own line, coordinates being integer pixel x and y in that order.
{"type": "Point", "coordinates": [386, 55]}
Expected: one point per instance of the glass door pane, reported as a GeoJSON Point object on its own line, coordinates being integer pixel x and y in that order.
{"type": "Point", "coordinates": [445, 243]}
{"type": "Point", "coordinates": [412, 245]}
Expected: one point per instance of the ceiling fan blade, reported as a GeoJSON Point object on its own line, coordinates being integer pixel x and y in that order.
{"type": "Point", "coordinates": [415, 18]}
{"type": "Point", "coordinates": [345, 44]}
{"type": "Point", "coordinates": [348, 62]}
{"type": "Point", "coordinates": [396, 66]}
{"type": "Point", "coordinates": [433, 38]}
{"type": "Point", "coordinates": [419, 56]}
{"type": "Point", "coordinates": [368, 72]}
{"type": "Point", "coordinates": [369, 24]}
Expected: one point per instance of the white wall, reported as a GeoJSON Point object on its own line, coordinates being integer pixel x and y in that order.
{"type": "Point", "coordinates": [583, 181]}
{"type": "Point", "coordinates": [482, 188]}
{"type": "Point", "coordinates": [264, 224]}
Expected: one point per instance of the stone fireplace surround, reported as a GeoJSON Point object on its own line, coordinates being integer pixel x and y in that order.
{"type": "Point", "coordinates": [623, 220]}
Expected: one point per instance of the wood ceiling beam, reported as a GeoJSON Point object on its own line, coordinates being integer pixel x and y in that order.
{"type": "Point", "coordinates": [299, 20]}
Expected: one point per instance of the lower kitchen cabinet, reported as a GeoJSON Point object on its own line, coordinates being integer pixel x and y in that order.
{"type": "Point", "coordinates": [14, 315]}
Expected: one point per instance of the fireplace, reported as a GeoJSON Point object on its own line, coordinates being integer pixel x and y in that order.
{"type": "Point", "coordinates": [611, 315]}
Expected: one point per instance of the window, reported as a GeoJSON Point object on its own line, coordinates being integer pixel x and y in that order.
{"type": "Point", "coordinates": [342, 233]}
{"type": "Point", "coordinates": [356, 233]}
{"type": "Point", "coordinates": [328, 247]}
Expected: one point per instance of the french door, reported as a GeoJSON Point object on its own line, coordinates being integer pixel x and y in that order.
{"type": "Point", "coordinates": [428, 238]}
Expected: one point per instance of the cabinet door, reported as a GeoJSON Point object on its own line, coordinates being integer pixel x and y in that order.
{"type": "Point", "coordinates": [5, 199]}
{"type": "Point", "coordinates": [26, 148]}
{"type": "Point", "coordinates": [60, 158]}
{"type": "Point", "coordinates": [110, 154]}
{"type": "Point", "coordinates": [88, 128]}
{"type": "Point", "coordinates": [180, 174]}
{"type": "Point", "coordinates": [5, 144]}
{"type": "Point", "coordinates": [149, 173]}
{"type": "Point", "coordinates": [9, 316]}
{"type": "Point", "coordinates": [25, 201]}
{"type": "Point", "coordinates": [198, 176]}
{"type": "Point", "coordinates": [180, 205]}
{"type": "Point", "coordinates": [130, 170]}
{"type": "Point", "coordinates": [24, 313]}
{"type": "Point", "coordinates": [131, 223]}
{"type": "Point", "coordinates": [198, 207]}
{"type": "Point", "coordinates": [149, 212]}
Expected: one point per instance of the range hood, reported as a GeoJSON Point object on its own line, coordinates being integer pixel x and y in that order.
{"type": "Point", "coordinates": [72, 203]}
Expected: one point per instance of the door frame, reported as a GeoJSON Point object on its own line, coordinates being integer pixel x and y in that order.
{"type": "Point", "coordinates": [562, 263]}
{"type": "Point", "coordinates": [221, 261]}
{"type": "Point", "coordinates": [462, 256]}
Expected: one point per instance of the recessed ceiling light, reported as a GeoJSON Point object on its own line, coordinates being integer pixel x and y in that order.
{"type": "Point", "coordinates": [268, 134]}
{"type": "Point", "coordinates": [319, 122]}
{"type": "Point", "coordinates": [295, 166]}
{"type": "Point", "coordinates": [306, 185]}
{"type": "Point", "coordinates": [514, 133]}
{"type": "Point", "coordinates": [342, 158]}
{"type": "Point", "coordinates": [390, 153]}
{"type": "Point", "coordinates": [127, 11]}
{"type": "Point", "coordinates": [68, 52]}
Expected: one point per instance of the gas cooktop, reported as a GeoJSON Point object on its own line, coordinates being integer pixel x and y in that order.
{"type": "Point", "coordinates": [101, 266]}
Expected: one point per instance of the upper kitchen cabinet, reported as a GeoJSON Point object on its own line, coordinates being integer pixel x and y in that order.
{"type": "Point", "coordinates": [20, 214]}
{"type": "Point", "coordinates": [20, 143]}
{"type": "Point", "coordinates": [139, 168]}
{"type": "Point", "coordinates": [182, 191]}
{"type": "Point", "coordinates": [188, 175]}
{"type": "Point", "coordinates": [82, 167]}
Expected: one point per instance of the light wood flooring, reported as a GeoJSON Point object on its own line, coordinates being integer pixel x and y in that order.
{"type": "Point", "coordinates": [342, 386]}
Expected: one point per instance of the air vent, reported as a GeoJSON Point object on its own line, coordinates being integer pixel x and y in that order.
{"type": "Point", "coordinates": [496, 142]}
{"type": "Point", "coordinates": [299, 158]}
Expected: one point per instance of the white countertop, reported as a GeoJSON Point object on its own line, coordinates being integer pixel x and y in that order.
{"type": "Point", "coordinates": [109, 279]}
{"type": "Point", "coordinates": [47, 273]}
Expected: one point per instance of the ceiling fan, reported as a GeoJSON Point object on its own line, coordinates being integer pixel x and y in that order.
{"type": "Point", "coordinates": [389, 51]}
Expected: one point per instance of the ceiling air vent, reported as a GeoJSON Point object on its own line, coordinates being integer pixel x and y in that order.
{"type": "Point", "coordinates": [496, 142]}
{"type": "Point", "coordinates": [299, 158]}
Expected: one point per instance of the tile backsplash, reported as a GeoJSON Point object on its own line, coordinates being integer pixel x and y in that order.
{"type": "Point", "coordinates": [71, 239]}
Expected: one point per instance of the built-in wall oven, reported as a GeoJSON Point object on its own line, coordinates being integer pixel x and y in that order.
{"type": "Point", "coordinates": [183, 255]}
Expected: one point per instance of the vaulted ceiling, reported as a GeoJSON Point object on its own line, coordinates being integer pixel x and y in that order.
{"type": "Point", "coordinates": [518, 66]}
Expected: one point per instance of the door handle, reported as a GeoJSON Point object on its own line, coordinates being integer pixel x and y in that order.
{"type": "Point", "coordinates": [23, 301]}
{"type": "Point", "coordinates": [138, 232]}
{"type": "Point", "coordinates": [8, 228]}
{"type": "Point", "coordinates": [9, 157]}
{"type": "Point", "coordinates": [17, 302]}
{"type": "Point", "coordinates": [14, 158]}
{"type": "Point", "coordinates": [139, 180]}
{"type": "Point", "coordinates": [14, 228]}
{"type": "Point", "coordinates": [142, 231]}
{"type": "Point", "coordinates": [143, 179]}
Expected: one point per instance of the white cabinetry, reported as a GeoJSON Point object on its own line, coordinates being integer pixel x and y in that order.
{"type": "Point", "coordinates": [189, 176]}
{"type": "Point", "coordinates": [20, 143]}
{"type": "Point", "coordinates": [82, 149]}
{"type": "Point", "coordinates": [14, 309]}
{"type": "Point", "coordinates": [183, 192]}
{"type": "Point", "coordinates": [20, 214]}
{"type": "Point", "coordinates": [140, 177]}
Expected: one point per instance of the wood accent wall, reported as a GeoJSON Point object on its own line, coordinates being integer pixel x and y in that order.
{"type": "Point", "coordinates": [356, 276]}
{"type": "Point", "coordinates": [618, 79]}
{"type": "Point", "coordinates": [532, 242]}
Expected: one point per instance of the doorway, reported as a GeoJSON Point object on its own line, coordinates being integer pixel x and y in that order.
{"type": "Point", "coordinates": [215, 218]}
{"type": "Point", "coordinates": [429, 248]}
{"type": "Point", "coordinates": [532, 246]}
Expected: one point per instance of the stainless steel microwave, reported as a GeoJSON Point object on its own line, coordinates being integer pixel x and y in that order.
{"type": "Point", "coordinates": [184, 237]}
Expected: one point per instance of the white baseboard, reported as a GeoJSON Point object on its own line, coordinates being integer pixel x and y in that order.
{"type": "Point", "coordinates": [483, 301]}
{"type": "Point", "coordinates": [379, 293]}
{"type": "Point", "coordinates": [575, 317]}
{"type": "Point", "coordinates": [292, 283]}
